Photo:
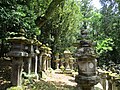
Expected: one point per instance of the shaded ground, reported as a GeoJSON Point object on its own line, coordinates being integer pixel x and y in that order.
{"type": "Point", "coordinates": [5, 71]}
{"type": "Point", "coordinates": [56, 81]}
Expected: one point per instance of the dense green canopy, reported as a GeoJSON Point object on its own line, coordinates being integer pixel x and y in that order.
{"type": "Point", "coordinates": [58, 24]}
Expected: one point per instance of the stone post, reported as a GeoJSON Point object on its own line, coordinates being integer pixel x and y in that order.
{"type": "Point", "coordinates": [17, 53]}
{"type": "Point", "coordinates": [86, 78]}
{"type": "Point", "coordinates": [16, 76]}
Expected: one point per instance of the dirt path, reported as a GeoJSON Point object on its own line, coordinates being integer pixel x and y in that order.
{"type": "Point", "coordinates": [62, 79]}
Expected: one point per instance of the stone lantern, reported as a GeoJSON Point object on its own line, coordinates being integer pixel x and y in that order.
{"type": "Point", "coordinates": [17, 54]}
{"type": "Point", "coordinates": [28, 60]}
{"type": "Point", "coordinates": [37, 52]}
{"type": "Point", "coordinates": [57, 60]}
{"type": "Point", "coordinates": [86, 60]}
{"type": "Point", "coordinates": [44, 57]}
{"type": "Point", "coordinates": [67, 55]}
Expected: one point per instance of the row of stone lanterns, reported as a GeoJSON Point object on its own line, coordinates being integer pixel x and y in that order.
{"type": "Point", "coordinates": [28, 55]}
{"type": "Point", "coordinates": [64, 64]}
{"type": "Point", "coordinates": [110, 78]}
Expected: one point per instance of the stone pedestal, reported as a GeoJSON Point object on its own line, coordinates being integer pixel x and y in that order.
{"type": "Point", "coordinates": [16, 75]}
{"type": "Point", "coordinates": [86, 82]}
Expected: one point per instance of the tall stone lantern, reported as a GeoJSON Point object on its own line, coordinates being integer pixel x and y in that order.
{"type": "Point", "coordinates": [17, 54]}
{"type": "Point", "coordinates": [37, 52]}
{"type": "Point", "coordinates": [86, 78]}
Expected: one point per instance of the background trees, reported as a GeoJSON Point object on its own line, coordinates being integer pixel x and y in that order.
{"type": "Point", "coordinates": [61, 22]}
{"type": "Point", "coordinates": [109, 31]}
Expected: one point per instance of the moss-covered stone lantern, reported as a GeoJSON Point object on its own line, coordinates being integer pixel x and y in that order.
{"type": "Point", "coordinates": [44, 57]}
{"type": "Point", "coordinates": [28, 60]}
{"type": "Point", "coordinates": [17, 54]}
{"type": "Point", "coordinates": [67, 56]}
{"type": "Point", "coordinates": [37, 52]}
{"type": "Point", "coordinates": [86, 60]}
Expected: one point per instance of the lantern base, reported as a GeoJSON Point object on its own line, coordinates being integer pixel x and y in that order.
{"type": "Point", "coordinates": [86, 82]}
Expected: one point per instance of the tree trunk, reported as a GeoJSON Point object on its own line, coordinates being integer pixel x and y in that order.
{"type": "Point", "coordinates": [53, 5]}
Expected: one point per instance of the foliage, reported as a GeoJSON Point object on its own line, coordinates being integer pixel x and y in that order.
{"type": "Point", "coordinates": [61, 30]}
{"type": "Point", "coordinates": [103, 26]}
{"type": "Point", "coordinates": [104, 45]}
{"type": "Point", "coordinates": [43, 86]}
{"type": "Point", "coordinates": [15, 15]}
{"type": "Point", "coordinates": [15, 88]}
{"type": "Point", "coordinates": [64, 21]}
{"type": "Point", "coordinates": [109, 28]}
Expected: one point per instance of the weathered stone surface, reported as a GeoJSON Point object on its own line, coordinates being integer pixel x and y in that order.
{"type": "Point", "coordinates": [86, 61]}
